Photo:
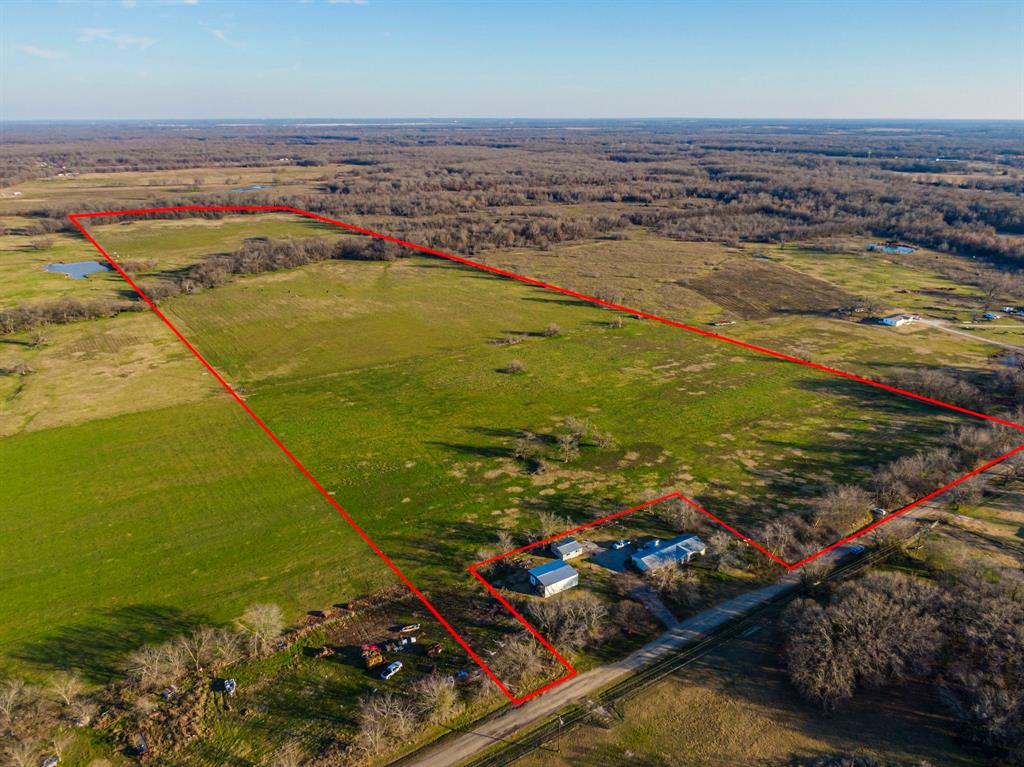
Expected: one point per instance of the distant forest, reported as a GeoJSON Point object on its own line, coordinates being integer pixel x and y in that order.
{"type": "Point", "coordinates": [467, 187]}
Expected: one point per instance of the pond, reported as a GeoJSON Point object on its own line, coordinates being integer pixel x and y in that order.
{"type": "Point", "coordinates": [78, 270]}
{"type": "Point", "coordinates": [252, 188]}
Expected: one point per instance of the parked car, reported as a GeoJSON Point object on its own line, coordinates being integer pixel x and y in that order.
{"type": "Point", "coordinates": [410, 628]}
{"type": "Point", "coordinates": [856, 549]}
{"type": "Point", "coordinates": [391, 670]}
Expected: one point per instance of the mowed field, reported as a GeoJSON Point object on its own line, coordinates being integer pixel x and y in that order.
{"type": "Point", "coordinates": [384, 379]}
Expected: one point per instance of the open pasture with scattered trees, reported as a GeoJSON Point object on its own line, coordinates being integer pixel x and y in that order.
{"type": "Point", "coordinates": [452, 413]}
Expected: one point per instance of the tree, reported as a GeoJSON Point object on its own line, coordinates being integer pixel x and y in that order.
{"type": "Point", "coordinates": [23, 753]}
{"type": "Point", "coordinates": [66, 687]}
{"type": "Point", "coordinates": [568, 447]}
{"type": "Point", "coordinates": [435, 698]}
{"type": "Point", "coordinates": [552, 330]}
{"type": "Point", "coordinates": [384, 719]}
{"type": "Point", "coordinates": [575, 622]}
{"type": "Point", "coordinates": [514, 367]}
{"type": "Point", "coordinates": [261, 624]}
{"type": "Point", "coordinates": [14, 695]}
{"type": "Point", "coordinates": [518, 659]}
{"type": "Point", "coordinates": [551, 524]}
{"type": "Point", "coordinates": [726, 550]}
{"type": "Point", "coordinates": [151, 666]}
{"type": "Point", "coordinates": [213, 647]}
{"type": "Point", "coordinates": [842, 508]}
{"type": "Point", "coordinates": [526, 447]}
{"type": "Point", "coordinates": [677, 514]}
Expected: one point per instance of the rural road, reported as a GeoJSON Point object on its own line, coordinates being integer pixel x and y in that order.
{"type": "Point", "coordinates": [458, 748]}
{"type": "Point", "coordinates": [945, 328]}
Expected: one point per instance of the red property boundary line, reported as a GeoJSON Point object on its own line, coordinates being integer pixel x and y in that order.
{"type": "Point", "coordinates": [571, 671]}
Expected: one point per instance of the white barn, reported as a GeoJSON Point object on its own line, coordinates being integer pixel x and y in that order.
{"type": "Point", "coordinates": [553, 577]}
{"type": "Point", "coordinates": [567, 548]}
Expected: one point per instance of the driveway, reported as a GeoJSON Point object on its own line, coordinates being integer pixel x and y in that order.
{"type": "Point", "coordinates": [456, 749]}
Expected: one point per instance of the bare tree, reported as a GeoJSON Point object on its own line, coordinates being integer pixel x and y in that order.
{"type": "Point", "coordinates": [725, 549]}
{"type": "Point", "coordinates": [384, 719]}
{"type": "Point", "coordinates": [23, 753]}
{"type": "Point", "coordinates": [208, 646]}
{"type": "Point", "coordinates": [574, 622]}
{"type": "Point", "coordinates": [552, 330]}
{"type": "Point", "coordinates": [518, 660]}
{"type": "Point", "coordinates": [677, 514]}
{"type": "Point", "coordinates": [842, 508]}
{"type": "Point", "coordinates": [261, 624]}
{"type": "Point", "coordinates": [568, 447]}
{"type": "Point", "coordinates": [150, 667]}
{"type": "Point", "coordinates": [66, 687]}
{"type": "Point", "coordinates": [435, 698]}
{"type": "Point", "coordinates": [551, 524]}
{"type": "Point", "coordinates": [13, 693]}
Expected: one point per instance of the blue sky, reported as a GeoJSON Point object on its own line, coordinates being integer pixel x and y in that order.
{"type": "Point", "coordinates": [379, 58]}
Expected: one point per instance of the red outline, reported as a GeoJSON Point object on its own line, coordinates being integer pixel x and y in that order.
{"type": "Point", "coordinates": [74, 217]}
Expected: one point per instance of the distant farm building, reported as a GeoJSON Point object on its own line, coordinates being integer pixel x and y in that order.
{"type": "Point", "coordinates": [567, 548]}
{"type": "Point", "coordinates": [895, 320]}
{"type": "Point", "coordinates": [553, 577]}
{"type": "Point", "coordinates": [679, 550]}
{"type": "Point", "coordinates": [891, 247]}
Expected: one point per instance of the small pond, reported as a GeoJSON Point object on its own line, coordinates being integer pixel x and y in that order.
{"type": "Point", "coordinates": [78, 270]}
{"type": "Point", "coordinates": [252, 188]}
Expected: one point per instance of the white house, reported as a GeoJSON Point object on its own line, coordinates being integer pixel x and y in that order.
{"type": "Point", "coordinates": [567, 548]}
{"type": "Point", "coordinates": [895, 320]}
{"type": "Point", "coordinates": [657, 554]}
{"type": "Point", "coordinates": [553, 577]}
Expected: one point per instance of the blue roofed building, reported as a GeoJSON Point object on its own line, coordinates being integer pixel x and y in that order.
{"type": "Point", "coordinates": [553, 577]}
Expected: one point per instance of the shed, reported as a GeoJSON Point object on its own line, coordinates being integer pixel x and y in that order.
{"type": "Point", "coordinates": [553, 577]}
{"type": "Point", "coordinates": [567, 548]}
{"type": "Point", "coordinates": [678, 550]}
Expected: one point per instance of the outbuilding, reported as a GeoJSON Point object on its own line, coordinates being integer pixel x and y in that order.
{"type": "Point", "coordinates": [553, 577]}
{"type": "Point", "coordinates": [895, 320]}
{"type": "Point", "coordinates": [567, 548]}
{"type": "Point", "coordinates": [678, 550]}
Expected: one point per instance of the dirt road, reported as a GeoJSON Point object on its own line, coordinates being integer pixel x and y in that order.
{"type": "Point", "coordinates": [945, 328]}
{"type": "Point", "coordinates": [457, 749]}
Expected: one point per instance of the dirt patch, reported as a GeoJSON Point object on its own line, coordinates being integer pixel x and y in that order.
{"type": "Point", "coordinates": [758, 289]}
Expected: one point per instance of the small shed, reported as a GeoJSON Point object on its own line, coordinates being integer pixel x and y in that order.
{"type": "Point", "coordinates": [678, 550]}
{"type": "Point", "coordinates": [553, 577]}
{"type": "Point", "coordinates": [566, 548]}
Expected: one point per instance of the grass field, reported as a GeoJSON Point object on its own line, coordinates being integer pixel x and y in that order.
{"type": "Point", "coordinates": [736, 706]}
{"type": "Point", "coordinates": [142, 500]}
{"type": "Point", "coordinates": [384, 380]}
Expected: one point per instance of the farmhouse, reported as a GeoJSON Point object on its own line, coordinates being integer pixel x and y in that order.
{"type": "Point", "coordinates": [658, 554]}
{"type": "Point", "coordinates": [567, 548]}
{"type": "Point", "coordinates": [895, 320]}
{"type": "Point", "coordinates": [553, 577]}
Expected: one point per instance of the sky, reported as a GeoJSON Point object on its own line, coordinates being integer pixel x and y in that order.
{"type": "Point", "coordinates": [204, 59]}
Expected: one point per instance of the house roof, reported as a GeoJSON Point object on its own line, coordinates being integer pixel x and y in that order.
{"type": "Point", "coordinates": [551, 573]}
{"type": "Point", "coordinates": [566, 546]}
{"type": "Point", "coordinates": [665, 552]}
